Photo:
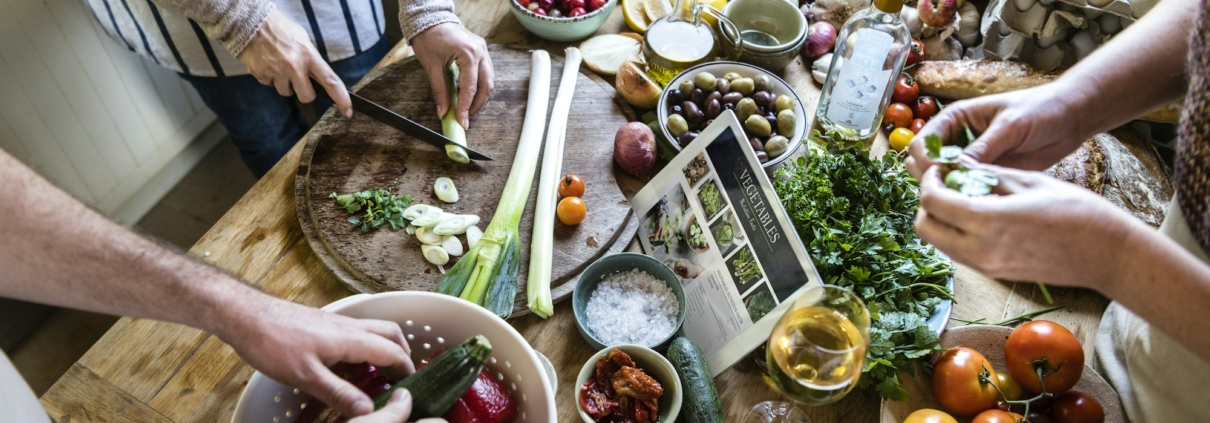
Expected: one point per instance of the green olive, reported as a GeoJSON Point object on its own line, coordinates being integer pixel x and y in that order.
{"type": "Point", "coordinates": [677, 125]}
{"type": "Point", "coordinates": [786, 122]}
{"type": "Point", "coordinates": [776, 145]}
{"type": "Point", "coordinates": [783, 102]}
{"type": "Point", "coordinates": [743, 86]}
{"type": "Point", "coordinates": [759, 126]}
{"type": "Point", "coordinates": [732, 76]}
{"type": "Point", "coordinates": [763, 82]}
{"type": "Point", "coordinates": [705, 80]}
{"type": "Point", "coordinates": [687, 86]}
{"type": "Point", "coordinates": [746, 107]}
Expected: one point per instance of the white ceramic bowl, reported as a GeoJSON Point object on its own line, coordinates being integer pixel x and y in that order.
{"type": "Point", "coordinates": [562, 29]}
{"type": "Point", "coordinates": [651, 362]}
{"type": "Point", "coordinates": [430, 321]}
{"type": "Point", "coordinates": [721, 68]}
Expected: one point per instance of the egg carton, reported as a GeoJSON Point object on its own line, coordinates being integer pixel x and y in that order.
{"type": "Point", "coordinates": [1023, 48]}
{"type": "Point", "coordinates": [1039, 32]}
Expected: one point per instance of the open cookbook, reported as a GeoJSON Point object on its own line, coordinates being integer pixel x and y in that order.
{"type": "Point", "coordinates": [711, 215]}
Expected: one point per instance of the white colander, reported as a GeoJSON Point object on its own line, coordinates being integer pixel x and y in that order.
{"type": "Point", "coordinates": [430, 322]}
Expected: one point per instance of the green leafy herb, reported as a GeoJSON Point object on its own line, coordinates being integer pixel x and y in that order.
{"type": "Point", "coordinates": [380, 206]}
{"type": "Point", "coordinates": [970, 182]}
{"type": "Point", "coordinates": [856, 217]}
{"type": "Point", "coordinates": [746, 269]}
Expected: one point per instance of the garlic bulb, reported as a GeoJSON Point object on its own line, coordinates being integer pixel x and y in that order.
{"type": "Point", "coordinates": [968, 24]}
{"type": "Point", "coordinates": [819, 69]}
{"type": "Point", "coordinates": [837, 12]}
{"type": "Point", "coordinates": [911, 18]}
{"type": "Point", "coordinates": [938, 48]}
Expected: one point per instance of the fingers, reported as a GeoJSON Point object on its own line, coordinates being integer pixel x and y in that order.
{"type": "Point", "coordinates": [938, 234]}
{"type": "Point", "coordinates": [397, 410]}
{"type": "Point", "coordinates": [487, 83]}
{"type": "Point", "coordinates": [379, 351]}
{"type": "Point", "coordinates": [336, 392]}
{"type": "Point", "coordinates": [391, 332]}
{"type": "Point", "coordinates": [441, 93]}
{"type": "Point", "coordinates": [323, 74]}
{"type": "Point", "coordinates": [991, 143]}
{"type": "Point", "coordinates": [943, 204]}
{"type": "Point", "coordinates": [468, 86]}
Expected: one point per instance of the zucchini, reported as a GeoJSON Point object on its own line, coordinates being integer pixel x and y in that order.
{"type": "Point", "coordinates": [437, 386]}
{"type": "Point", "coordinates": [701, 403]}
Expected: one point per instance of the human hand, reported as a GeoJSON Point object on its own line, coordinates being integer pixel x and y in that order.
{"type": "Point", "coordinates": [281, 55]}
{"type": "Point", "coordinates": [1027, 129]}
{"type": "Point", "coordinates": [1035, 229]}
{"type": "Point", "coordinates": [441, 44]}
{"type": "Point", "coordinates": [297, 345]}
{"type": "Point", "coordinates": [397, 410]}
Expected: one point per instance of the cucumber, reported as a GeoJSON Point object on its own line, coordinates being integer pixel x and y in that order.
{"type": "Point", "coordinates": [437, 386]}
{"type": "Point", "coordinates": [700, 403]}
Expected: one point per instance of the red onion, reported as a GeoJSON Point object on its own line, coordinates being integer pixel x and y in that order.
{"type": "Point", "coordinates": [634, 148]}
{"type": "Point", "coordinates": [821, 38]}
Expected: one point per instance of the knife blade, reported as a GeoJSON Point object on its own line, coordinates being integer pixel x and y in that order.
{"type": "Point", "coordinates": [403, 124]}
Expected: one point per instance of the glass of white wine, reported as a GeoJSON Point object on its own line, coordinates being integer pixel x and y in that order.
{"type": "Point", "coordinates": [815, 354]}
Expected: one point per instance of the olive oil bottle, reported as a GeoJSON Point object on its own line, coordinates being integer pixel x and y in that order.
{"type": "Point", "coordinates": [871, 49]}
{"type": "Point", "coordinates": [678, 41]}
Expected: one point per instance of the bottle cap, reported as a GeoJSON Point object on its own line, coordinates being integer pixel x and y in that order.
{"type": "Point", "coordinates": [890, 6]}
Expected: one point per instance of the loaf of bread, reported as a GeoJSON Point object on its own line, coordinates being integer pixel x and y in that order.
{"type": "Point", "coordinates": [1085, 167]}
{"type": "Point", "coordinates": [1137, 181]}
{"type": "Point", "coordinates": [963, 79]}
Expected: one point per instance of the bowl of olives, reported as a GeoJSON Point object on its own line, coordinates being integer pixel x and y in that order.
{"type": "Point", "coordinates": [771, 113]}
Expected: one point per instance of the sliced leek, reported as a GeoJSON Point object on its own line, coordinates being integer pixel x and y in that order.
{"type": "Point", "coordinates": [449, 122]}
{"type": "Point", "coordinates": [445, 190]}
{"type": "Point", "coordinates": [456, 224]}
{"type": "Point", "coordinates": [414, 211]}
{"type": "Point", "coordinates": [452, 245]}
{"type": "Point", "coordinates": [426, 236]}
{"type": "Point", "coordinates": [487, 275]}
{"type": "Point", "coordinates": [473, 234]}
{"type": "Point", "coordinates": [435, 254]}
{"type": "Point", "coordinates": [430, 217]}
{"type": "Point", "coordinates": [541, 251]}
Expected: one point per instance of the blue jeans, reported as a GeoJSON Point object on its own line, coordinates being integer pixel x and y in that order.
{"type": "Point", "coordinates": [263, 124]}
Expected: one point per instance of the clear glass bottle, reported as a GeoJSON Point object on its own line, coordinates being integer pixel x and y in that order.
{"type": "Point", "coordinates": [870, 52]}
{"type": "Point", "coordinates": [682, 39]}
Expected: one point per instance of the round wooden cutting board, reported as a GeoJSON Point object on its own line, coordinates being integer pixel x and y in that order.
{"type": "Point", "coordinates": [349, 155]}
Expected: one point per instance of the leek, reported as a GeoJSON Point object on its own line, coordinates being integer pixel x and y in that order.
{"type": "Point", "coordinates": [487, 275]}
{"type": "Point", "coordinates": [445, 190]}
{"type": "Point", "coordinates": [541, 251]}
{"type": "Point", "coordinates": [449, 122]}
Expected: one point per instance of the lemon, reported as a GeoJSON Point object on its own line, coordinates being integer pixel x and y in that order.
{"type": "Point", "coordinates": [636, 17]}
{"type": "Point", "coordinates": [709, 18]}
{"type": "Point", "coordinates": [657, 9]}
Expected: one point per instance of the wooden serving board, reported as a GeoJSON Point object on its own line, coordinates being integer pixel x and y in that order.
{"type": "Point", "coordinates": [349, 155]}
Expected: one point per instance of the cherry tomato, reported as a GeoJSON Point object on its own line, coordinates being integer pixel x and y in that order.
{"type": "Point", "coordinates": [898, 114]}
{"type": "Point", "coordinates": [1076, 407]}
{"type": "Point", "coordinates": [997, 416]}
{"type": "Point", "coordinates": [925, 107]}
{"type": "Point", "coordinates": [1008, 386]}
{"type": "Point", "coordinates": [1037, 416]}
{"type": "Point", "coordinates": [917, 125]}
{"type": "Point", "coordinates": [571, 210]}
{"type": "Point", "coordinates": [956, 382]}
{"type": "Point", "coordinates": [900, 138]}
{"type": "Point", "coordinates": [906, 90]}
{"type": "Point", "coordinates": [571, 186]}
{"type": "Point", "coordinates": [1049, 341]}
{"type": "Point", "coordinates": [929, 415]}
{"type": "Point", "coordinates": [915, 53]}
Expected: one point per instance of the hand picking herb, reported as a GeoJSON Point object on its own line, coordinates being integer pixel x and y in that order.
{"type": "Point", "coordinates": [380, 206]}
{"type": "Point", "coordinates": [856, 217]}
{"type": "Point", "coordinates": [970, 182]}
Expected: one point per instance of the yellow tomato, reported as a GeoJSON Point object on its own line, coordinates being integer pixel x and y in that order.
{"type": "Point", "coordinates": [571, 210]}
{"type": "Point", "coordinates": [900, 138]}
{"type": "Point", "coordinates": [1008, 386]}
{"type": "Point", "coordinates": [929, 415]}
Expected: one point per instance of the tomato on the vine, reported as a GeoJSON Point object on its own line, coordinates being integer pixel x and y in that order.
{"type": "Point", "coordinates": [956, 382]}
{"type": "Point", "coordinates": [915, 53]}
{"type": "Point", "coordinates": [929, 415]}
{"type": "Point", "coordinates": [925, 107]}
{"type": "Point", "coordinates": [906, 90]}
{"type": "Point", "coordinates": [917, 125]}
{"type": "Point", "coordinates": [1008, 386]}
{"type": "Point", "coordinates": [1076, 407]}
{"type": "Point", "coordinates": [997, 416]}
{"type": "Point", "coordinates": [898, 114]}
{"type": "Point", "coordinates": [1048, 341]}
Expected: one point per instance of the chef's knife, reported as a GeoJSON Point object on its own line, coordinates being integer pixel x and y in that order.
{"type": "Point", "coordinates": [407, 126]}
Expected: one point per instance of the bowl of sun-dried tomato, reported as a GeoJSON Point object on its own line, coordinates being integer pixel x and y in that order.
{"type": "Point", "coordinates": [628, 383]}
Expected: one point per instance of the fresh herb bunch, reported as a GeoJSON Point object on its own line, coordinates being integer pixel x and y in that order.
{"type": "Point", "coordinates": [380, 205]}
{"type": "Point", "coordinates": [711, 200]}
{"type": "Point", "coordinates": [856, 217]}
{"type": "Point", "coordinates": [745, 266]}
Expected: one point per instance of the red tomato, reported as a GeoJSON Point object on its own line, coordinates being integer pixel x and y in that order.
{"type": "Point", "coordinates": [925, 107]}
{"type": "Point", "coordinates": [915, 53]}
{"type": "Point", "coordinates": [906, 90]}
{"type": "Point", "coordinates": [1076, 407]}
{"type": "Point", "coordinates": [997, 416]}
{"type": "Point", "coordinates": [917, 125]}
{"type": "Point", "coordinates": [898, 115]}
{"type": "Point", "coordinates": [956, 382]}
{"type": "Point", "coordinates": [1049, 341]}
{"type": "Point", "coordinates": [928, 415]}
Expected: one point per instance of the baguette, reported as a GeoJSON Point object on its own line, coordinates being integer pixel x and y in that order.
{"type": "Point", "coordinates": [963, 79]}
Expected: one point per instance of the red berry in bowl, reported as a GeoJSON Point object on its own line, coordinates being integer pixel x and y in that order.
{"type": "Point", "coordinates": [555, 13]}
{"type": "Point", "coordinates": [524, 3]}
{"type": "Point", "coordinates": [575, 4]}
{"type": "Point", "coordinates": [539, 11]}
{"type": "Point", "coordinates": [596, 4]}
{"type": "Point", "coordinates": [546, 4]}
{"type": "Point", "coordinates": [579, 11]}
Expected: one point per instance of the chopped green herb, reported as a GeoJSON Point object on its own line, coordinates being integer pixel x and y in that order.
{"type": "Point", "coordinates": [380, 206]}
{"type": "Point", "coordinates": [970, 182]}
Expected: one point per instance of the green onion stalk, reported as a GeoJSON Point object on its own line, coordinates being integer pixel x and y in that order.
{"type": "Point", "coordinates": [487, 275]}
{"type": "Point", "coordinates": [449, 122]}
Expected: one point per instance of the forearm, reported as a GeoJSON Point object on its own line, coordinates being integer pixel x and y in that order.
{"type": "Point", "coordinates": [231, 22]}
{"type": "Point", "coordinates": [54, 250]}
{"type": "Point", "coordinates": [1142, 68]}
{"type": "Point", "coordinates": [1164, 284]}
{"type": "Point", "coordinates": [415, 16]}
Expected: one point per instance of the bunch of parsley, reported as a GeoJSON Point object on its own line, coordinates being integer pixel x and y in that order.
{"type": "Point", "coordinates": [380, 205]}
{"type": "Point", "coordinates": [855, 216]}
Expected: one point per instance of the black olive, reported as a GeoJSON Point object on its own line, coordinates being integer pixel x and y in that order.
{"type": "Point", "coordinates": [676, 110]}
{"type": "Point", "coordinates": [728, 106]}
{"type": "Point", "coordinates": [723, 86]}
{"type": "Point", "coordinates": [756, 144]}
{"type": "Point", "coordinates": [713, 108]}
{"type": "Point", "coordinates": [714, 95]}
{"type": "Point", "coordinates": [687, 138]}
{"type": "Point", "coordinates": [697, 96]}
{"type": "Point", "coordinates": [760, 155]}
{"type": "Point", "coordinates": [693, 114]}
{"type": "Point", "coordinates": [674, 96]}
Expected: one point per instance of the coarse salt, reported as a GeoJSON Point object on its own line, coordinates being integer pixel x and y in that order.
{"type": "Point", "coordinates": [632, 307]}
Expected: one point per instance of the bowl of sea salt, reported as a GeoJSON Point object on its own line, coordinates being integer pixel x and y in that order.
{"type": "Point", "coordinates": [628, 298]}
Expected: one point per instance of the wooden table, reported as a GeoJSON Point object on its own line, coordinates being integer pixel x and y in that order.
{"type": "Point", "coordinates": [149, 371]}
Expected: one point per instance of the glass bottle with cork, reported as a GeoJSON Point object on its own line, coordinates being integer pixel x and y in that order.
{"type": "Point", "coordinates": [871, 49]}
